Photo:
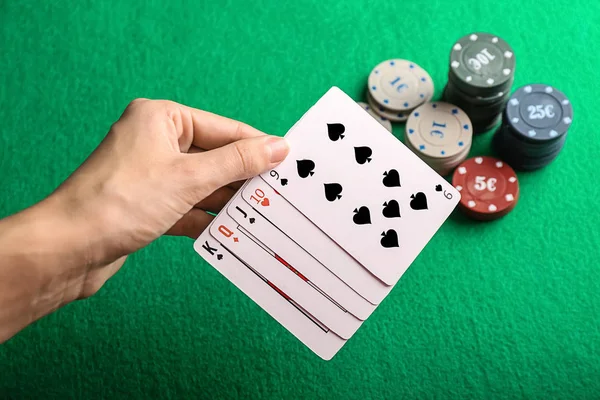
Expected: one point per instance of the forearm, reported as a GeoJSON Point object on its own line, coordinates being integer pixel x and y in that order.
{"type": "Point", "coordinates": [42, 265]}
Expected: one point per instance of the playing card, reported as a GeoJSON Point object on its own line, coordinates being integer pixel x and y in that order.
{"type": "Point", "coordinates": [283, 275]}
{"type": "Point", "coordinates": [361, 186]}
{"type": "Point", "coordinates": [267, 202]}
{"type": "Point", "coordinates": [287, 251]}
{"type": "Point", "coordinates": [273, 300]}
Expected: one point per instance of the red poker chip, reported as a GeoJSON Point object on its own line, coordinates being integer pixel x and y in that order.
{"type": "Point", "coordinates": [489, 187]}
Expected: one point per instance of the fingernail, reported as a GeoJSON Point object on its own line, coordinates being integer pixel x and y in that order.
{"type": "Point", "coordinates": [279, 149]}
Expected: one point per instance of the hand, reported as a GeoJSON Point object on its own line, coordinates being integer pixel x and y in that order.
{"type": "Point", "coordinates": [159, 169]}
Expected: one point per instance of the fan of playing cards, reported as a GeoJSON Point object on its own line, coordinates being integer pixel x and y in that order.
{"type": "Point", "coordinates": [320, 241]}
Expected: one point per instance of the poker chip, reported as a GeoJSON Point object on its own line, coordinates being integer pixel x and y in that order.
{"type": "Point", "coordinates": [534, 127]}
{"type": "Point", "coordinates": [440, 134]}
{"type": "Point", "coordinates": [539, 112]}
{"type": "Point", "coordinates": [480, 77]}
{"type": "Point", "coordinates": [399, 85]}
{"type": "Point", "coordinates": [482, 61]}
{"type": "Point", "coordinates": [488, 186]}
{"type": "Point", "coordinates": [394, 116]}
{"type": "Point", "coordinates": [385, 122]}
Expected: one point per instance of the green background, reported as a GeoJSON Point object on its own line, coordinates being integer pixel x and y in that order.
{"type": "Point", "coordinates": [508, 309]}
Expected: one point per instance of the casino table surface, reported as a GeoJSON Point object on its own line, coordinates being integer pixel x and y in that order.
{"type": "Point", "coordinates": [506, 309]}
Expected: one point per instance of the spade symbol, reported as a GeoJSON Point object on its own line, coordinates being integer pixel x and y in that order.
{"type": "Point", "coordinates": [333, 191]}
{"type": "Point", "coordinates": [362, 154]}
{"type": "Point", "coordinates": [389, 239]}
{"type": "Point", "coordinates": [335, 131]}
{"type": "Point", "coordinates": [391, 209]}
{"type": "Point", "coordinates": [219, 257]}
{"type": "Point", "coordinates": [284, 182]}
{"type": "Point", "coordinates": [438, 188]}
{"type": "Point", "coordinates": [419, 201]}
{"type": "Point", "coordinates": [252, 220]}
{"type": "Point", "coordinates": [305, 168]}
{"type": "Point", "coordinates": [391, 178]}
{"type": "Point", "coordinates": [362, 216]}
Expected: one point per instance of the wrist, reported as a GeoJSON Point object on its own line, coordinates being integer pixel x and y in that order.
{"type": "Point", "coordinates": [44, 256]}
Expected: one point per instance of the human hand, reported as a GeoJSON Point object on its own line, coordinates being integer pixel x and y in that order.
{"type": "Point", "coordinates": [160, 168]}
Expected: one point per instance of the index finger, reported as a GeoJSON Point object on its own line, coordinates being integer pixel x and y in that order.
{"type": "Point", "coordinates": [211, 131]}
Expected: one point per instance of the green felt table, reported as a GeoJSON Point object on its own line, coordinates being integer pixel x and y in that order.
{"type": "Point", "coordinates": [507, 309]}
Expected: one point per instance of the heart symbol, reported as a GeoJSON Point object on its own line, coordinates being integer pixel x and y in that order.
{"type": "Point", "coordinates": [438, 188]}
{"type": "Point", "coordinates": [284, 182]}
{"type": "Point", "coordinates": [219, 257]}
{"type": "Point", "coordinates": [362, 154]}
{"type": "Point", "coordinates": [265, 202]}
{"type": "Point", "coordinates": [362, 216]}
{"type": "Point", "coordinates": [335, 131]}
{"type": "Point", "coordinates": [419, 201]}
{"type": "Point", "coordinates": [305, 168]}
{"type": "Point", "coordinates": [252, 220]}
{"type": "Point", "coordinates": [391, 178]}
{"type": "Point", "coordinates": [391, 209]}
{"type": "Point", "coordinates": [389, 239]}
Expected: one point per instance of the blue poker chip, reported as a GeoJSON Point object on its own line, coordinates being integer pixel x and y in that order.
{"type": "Point", "coordinates": [539, 113]}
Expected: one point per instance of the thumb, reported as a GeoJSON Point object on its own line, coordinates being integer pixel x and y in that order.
{"type": "Point", "coordinates": [238, 161]}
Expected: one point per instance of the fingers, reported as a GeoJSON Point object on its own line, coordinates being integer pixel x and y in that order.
{"type": "Point", "coordinates": [211, 131]}
{"type": "Point", "coordinates": [191, 224]}
{"type": "Point", "coordinates": [216, 201]}
{"type": "Point", "coordinates": [236, 161]}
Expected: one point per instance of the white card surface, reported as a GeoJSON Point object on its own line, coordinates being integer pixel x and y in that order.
{"type": "Point", "coordinates": [362, 187]}
{"type": "Point", "coordinates": [295, 256]}
{"type": "Point", "coordinates": [320, 340]}
{"type": "Point", "coordinates": [227, 231]}
{"type": "Point", "coordinates": [309, 237]}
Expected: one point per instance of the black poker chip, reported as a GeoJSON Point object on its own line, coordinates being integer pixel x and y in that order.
{"type": "Point", "coordinates": [534, 127]}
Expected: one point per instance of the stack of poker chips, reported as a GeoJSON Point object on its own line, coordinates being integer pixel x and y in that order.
{"type": "Point", "coordinates": [440, 134]}
{"type": "Point", "coordinates": [480, 77]}
{"type": "Point", "coordinates": [396, 87]}
{"type": "Point", "coordinates": [534, 127]}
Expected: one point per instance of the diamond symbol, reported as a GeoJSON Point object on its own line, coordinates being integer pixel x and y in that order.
{"type": "Point", "coordinates": [459, 188]}
{"type": "Point", "coordinates": [478, 160]}
{"type": "Point", "coordinates": [549, 89]}
{"type": "Point", "coordinates": [515, 120]}
{"type": "Point", "coordinates": [553, 133]}
{"type": "Point", "coordinates": [492, 207]}
{"type": "Point", "coordinates": [567, 120]}
{"type": "Point", "coordinates": [494, 40]}
{"type": "Point", "coordinates": [471, 204]}
{"type": "Point", "coordinates": [509, 197]}
{"type": "Point", "coordinates": [499, 164]}
{"type": "Point", "coordinates": [514, 102]}
{"type": "Point", "coordinates": [508, 54]}
{"type": "Point", "coordinates": [565, 102]}
{"type": "Point", "coordinates": [490, 81]}
{"type": "Point", "coordinates": [512, 179]}
{"type": "Point", "coordinates": [506, 71]}
{"type": "Point", "coordinates": [462, 170]}
{"type": "Point", "coordinates": [532, 133]}
{"type": "Point", "coordinates": [527, 89]}
{"type": "Point", "coordinates": [469, 78]}
{"type": "Point", "coordinates": [455, 64]}
{"type": "Point", "coordinates": [457, 47]}
{"type": "Point", "coordinates": [473, 37]}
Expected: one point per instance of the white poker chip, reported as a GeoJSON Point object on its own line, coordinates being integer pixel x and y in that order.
{"type": "Point", "coordinates": [399, 85]}
{"type": "Point", "coordinates": [385, 122]}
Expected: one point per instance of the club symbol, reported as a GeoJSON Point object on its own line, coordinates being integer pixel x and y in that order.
{"type": "Point", "coordinates": [333, 191]}
{"type": "Point", "coordinates": [391, 178]}
{"type": "Point", "coordinates": [335, 131]}
{"type": "Point", "coordinates": [419, 201]}
{"type": "Point", "coordinates": [363, 154]}
{"type": "Point", "coordinates": [362, 216]}
{"type": "Point", "coordinates": [305, 168]}
{"type": "Point", "coordinates": [389, 239]}
{"type": "Point", "coordinates": [391, 209]}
